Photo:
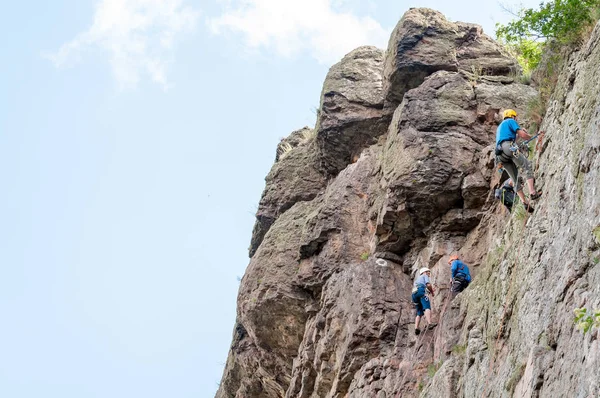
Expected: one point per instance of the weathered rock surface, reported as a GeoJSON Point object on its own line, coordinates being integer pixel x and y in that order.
{"type": "Point", "coordinates": [351, 111]}
{"type": "Point", "coordinates": [539, 272]}
{"type": "Point", "coordinates": [435, 150]}
{"type": "Point", "coordinates": [319, 315]}
{"type": "Point", "coordinates": [295, 177]}
{"type": "Point", "coordinates": [424, 42]}
{"type": "Point", "coordinates": [350, 119]}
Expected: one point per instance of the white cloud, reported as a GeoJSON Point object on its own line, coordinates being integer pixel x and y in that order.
{"type": "Point", "coordinates": [137, 35]}
{"type": "Point", "coordinates": [290, 27]}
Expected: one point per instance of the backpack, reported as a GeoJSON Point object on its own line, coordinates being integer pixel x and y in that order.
{"type": "Point", "coordinates": [506, 195]}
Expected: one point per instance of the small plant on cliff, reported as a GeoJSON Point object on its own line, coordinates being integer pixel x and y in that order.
{"type": "Point", "coordinates": [585, 321]}
{"type": "Point", "coordinates": [316, 111]}
{"type": "Point", "coordinates": [557, 22]}
{"type": "Point", "coordinates": [475, 75]}
{"type": "Point", "coordinates": [596, 232]}
{"type": "Point", "coordinates": [519, 212]}
{"type": "Point", "coordinates": [420, 386]}
{"type": "Point", "coordinates": [525, 78]}
{"type": "Point", "coordinates": [497, 253]}
{"type": "Point", "coordinates": [364, 256]}
{"type": "Point", "coordinates": [516, 375]}
{"type": "Point", "coordinates": [459, 349]}
{"type": "Point", "coordinates": [433, 368]}
{"type": "Point", "coordinates": [309, 134]}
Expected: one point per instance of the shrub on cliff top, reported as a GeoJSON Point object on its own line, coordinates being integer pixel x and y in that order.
{"type": "Point", "coordinates": [564, 21]}
{"type": "Point", "coordinates": [552, 29]}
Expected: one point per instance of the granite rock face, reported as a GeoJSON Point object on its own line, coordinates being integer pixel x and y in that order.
{"type": "Point", "coordinates": [354, 207]}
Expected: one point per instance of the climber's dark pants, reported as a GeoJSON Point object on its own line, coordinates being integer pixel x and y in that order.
{"type": "Point", "coordinates": [458, 285]}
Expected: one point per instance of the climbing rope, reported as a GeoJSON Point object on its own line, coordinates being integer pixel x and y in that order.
{"type": "Point", "coordinates": [411, 361]}
{"type": "Point", "coordinates": [419, 341]}
{"type": "Point", "coordinates": [448, 299]}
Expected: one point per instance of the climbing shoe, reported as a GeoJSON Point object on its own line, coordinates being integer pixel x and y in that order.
{"type": "Point", "coordinates": [417, 331]}
{"type": "Point", "coordinates": [529, 208]}
{"type": "Point", "coordinates": [535, 196]}
{"type": "Point", "coordinates": [431, 325]}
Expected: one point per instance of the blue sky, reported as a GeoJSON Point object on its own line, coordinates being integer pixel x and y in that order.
{"type": "Point", "coordinates": [135, 136]}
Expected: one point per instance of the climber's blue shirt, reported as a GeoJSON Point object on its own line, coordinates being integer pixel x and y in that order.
{"type": "Point", "coordinates": [458, 267]}
{"type": "Point", "coordinates": [422, 280]}
{"type": "Point", "coordinates": [507, 131]}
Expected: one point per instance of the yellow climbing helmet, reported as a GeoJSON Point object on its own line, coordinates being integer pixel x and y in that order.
{"type": "Point", "coordinates": [509, 113]}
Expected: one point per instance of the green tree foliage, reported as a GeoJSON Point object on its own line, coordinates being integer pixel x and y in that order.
{"type": "Point", "coordinates": [527, 52]}
{"type": "Point", "coordinates": [562, 20]}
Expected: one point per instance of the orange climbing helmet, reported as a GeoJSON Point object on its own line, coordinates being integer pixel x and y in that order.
{"type": "Point", "coordinates": [452, 258]}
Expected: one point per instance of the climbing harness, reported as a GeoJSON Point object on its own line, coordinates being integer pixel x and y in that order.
{"type": "Point", "coordinates": [516, 149]}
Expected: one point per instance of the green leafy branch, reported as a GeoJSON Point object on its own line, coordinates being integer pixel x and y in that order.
{"type": "Point", "coordinates": [562, 20]}
{"type": "Point", "coordinates": [585, 320]}
{"type": "Point", "coordinates": [527, 52]}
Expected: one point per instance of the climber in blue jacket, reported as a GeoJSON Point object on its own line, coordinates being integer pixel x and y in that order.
{"type": "Point", "coordinates": [461, 277]}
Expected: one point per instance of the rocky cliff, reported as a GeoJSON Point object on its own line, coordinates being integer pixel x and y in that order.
{"type": "Point", "coordinates": [398, 174]}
